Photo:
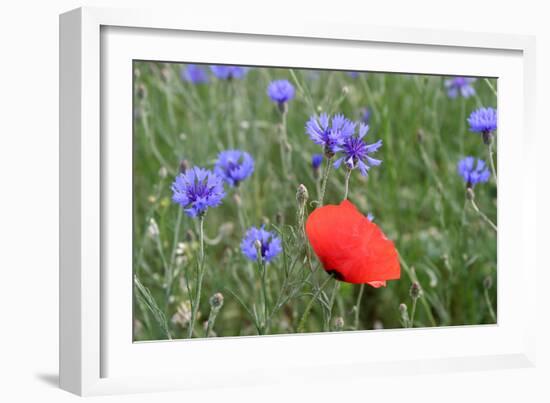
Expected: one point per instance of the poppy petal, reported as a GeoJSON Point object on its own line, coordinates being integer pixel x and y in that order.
{"type": "Point", "coordinates": [350, 246]}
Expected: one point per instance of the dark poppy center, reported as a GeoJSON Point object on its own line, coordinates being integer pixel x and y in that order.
{"type": "Point", "coordinates": [336, 274]}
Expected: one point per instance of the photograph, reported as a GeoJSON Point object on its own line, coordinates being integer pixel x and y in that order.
{"type": "Point", "coordinates": [276, 200]}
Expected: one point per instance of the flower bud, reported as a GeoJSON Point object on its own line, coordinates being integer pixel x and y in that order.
{"type": "Point", "coordinates": [279, 218]}
{"type": "Point", "coordinates": [302, 194]}
{"type": "Point", "coordinates": [283, 107]}
{"type": "Point", "coordinates": [184, 166]}
{"type": "Point", "coordinates": [404, 314]}
{"type": "Point", "coordinates": [163, 172]}
{"type": "Point", "coordinates": [470, 195]}
{"type": "Point", "coordinates": [487, 137]}
{"type": "Point", "coordinates": [415, 290]}
{"type": "Point", "coordinates": [189, 236]}
{"type": "Point", "coordinates": [153, 229]}
{"type": "Point", "coordinates": [488, 282]}
{"type": "Point", "coordinates": [258, 246]}
{"type": "Point", "coordinates": [345, 90]}
{"type": "Point", "coordinates": [165, 74]}
{"type": "Point", "coordinates": [216, 300]}
{"type": "Point", "coordinates": [237, 199]}
{"type": "Point", "coordinates": [141, 91]}
{"type": "Point", "coordinates": [338, 323]}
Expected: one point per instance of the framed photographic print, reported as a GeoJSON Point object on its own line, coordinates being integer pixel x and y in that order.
{"type": "Point", "coordinates": [237, 199]}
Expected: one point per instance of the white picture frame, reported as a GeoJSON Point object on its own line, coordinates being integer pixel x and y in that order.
{"type": "Point", "coordinates": [96, 354]}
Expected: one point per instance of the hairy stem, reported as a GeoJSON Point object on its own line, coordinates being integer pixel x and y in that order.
{"type": "Point", "coordinates": [325, 180]}
{"type": "Point", "coordinates": [195, 308]}
{"type": "Point", "coordinates": [483, 216]}
{"type": "Point", "coordinates": [489, 305]}
{"type": "Point", "coordinates": [358, 307]}
{"type": "Point", "coordinates": [492, 162]}
{"type": "Point", "coordinates": [348, 174]}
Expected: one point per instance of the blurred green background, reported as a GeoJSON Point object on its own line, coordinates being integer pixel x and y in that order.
{"type": "Point", "coordinates": [416, 196]}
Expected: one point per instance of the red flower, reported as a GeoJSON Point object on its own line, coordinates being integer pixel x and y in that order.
{"type": "Point", "coordinates": [351, 247]}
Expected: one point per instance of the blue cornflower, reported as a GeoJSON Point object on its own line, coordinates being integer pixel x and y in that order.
{"type": "Point", "coordinates": [316, 161]}
{"type": "Point", "coordinates": [365, 115]}
{"type": "Point", "coordinates": [196, 190]}
{"type": "Point", "coordinates": [234, 166]}
{"type": "Point", "coordinates": [280, 91]}
{"type": "Point", "coordinates": [462, 85]}
{"type": "Point", "coordinates": [484, 121]}
{"type": "Point", "coordinates": [328, 132]}
{"type": "Point", "coordinates": [356, 152]}
{"type": "Point", "coordinates": [473, 172]}
{"type": "Point", "coordinates": [370, 217]}
{"type": "Point", "coordinates": [228, 72]}
{"type": "Point", "coordinates": [353, 74]}
{"type": "Point", "coordinates": [194, 74]}
{"type": "Point", "coordinates": [270, 244]}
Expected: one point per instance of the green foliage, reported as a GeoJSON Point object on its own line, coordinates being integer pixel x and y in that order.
{"type": "Point", "coordinates": [416, 196]}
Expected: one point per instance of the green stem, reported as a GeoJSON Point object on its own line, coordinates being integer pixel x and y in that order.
{"type": "Point", "coordinates": [483, 216]}
{"type": "Point", "coordinates": [492, 162]}
{"type": "Point", "coordinates": [302, 323]}
{"type": "Point", "coordinates": [264, 294]}
{"type": "Point", "coordinates": [348, 174]}
{"type": "Point", "coordinates": [284, 145]}
{"type": "Point", "coordinates": [331, 305]}
{"type": "Point", "coordinates": [211, 320]}
{"type": "Point", "coordinates": [413, 311]}
{"type": "Point", "coordinates": [325, 180]}
{"type": "Point", "coordinates": [195, 308]}
{"type": "Point", "coordinates": [358, 306]}
{"type": "Point", "coordinates": [489, 305]}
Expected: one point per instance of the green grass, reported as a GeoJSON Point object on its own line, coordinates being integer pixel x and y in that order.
{"type": "Point", "coordinates": [416, 196]}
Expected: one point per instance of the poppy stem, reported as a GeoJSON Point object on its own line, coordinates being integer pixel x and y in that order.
{"type": "Point", "coordinates": [303, 319]}
{"type": "Point", "coordinates": [358, 306]}
{"type": "Point", "coordinates": [325, 180]}
{"type": "Point", "coordinates": [331, 304]}
{"type": "Point", "coordinates": [348, 174]}
{"type": "Point", "coordinates": [195, 309]}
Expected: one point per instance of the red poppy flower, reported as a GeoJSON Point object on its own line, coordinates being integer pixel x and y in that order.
{"type": "Point", "coordinates": [351, 247]}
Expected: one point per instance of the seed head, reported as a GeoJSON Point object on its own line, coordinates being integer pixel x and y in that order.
{"type": "Point", "coordinates": [415, 290]}
{"type": "Point", "coordinates": [216, 300]}
{"type": "Point", "coordinates": [338, 323]}
{"type": "Point", "coordinates": [302, 194]}
{"type": "Point", "coordinates": [184, 166]}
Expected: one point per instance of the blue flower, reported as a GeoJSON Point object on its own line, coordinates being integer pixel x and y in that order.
{"type": "Point", "coordinates": [194, 74]}
{"type": "Point", "coordinates": [280, 91]}
{"type": "Point", "coordinates": [353, 74]}
{"type": "Point", "coordinates": [370, 217]}
{"type": "Point", "coordinates": [234, 166]}
{"type": "Point", "coordinates": [196, 190]}
{"type": "Point", "coordinates": [328, 132]}
{"type": "Point", "coordinates": [269, 241]}
{"type": "Point", "coordinates": [228, 72]}
{"type": "Point", "coordinates": [462, 85]}
{"type": "Point", "coordinates": [365, 115]}
{"type": "Point", "coordinates": [473, 172]}
{"type": "Point", "coordinates": [356, 152]}
{"type": "Point", "coordinates": [316, 161]}
{"type": "Point", "coordinates": [483, 120]}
